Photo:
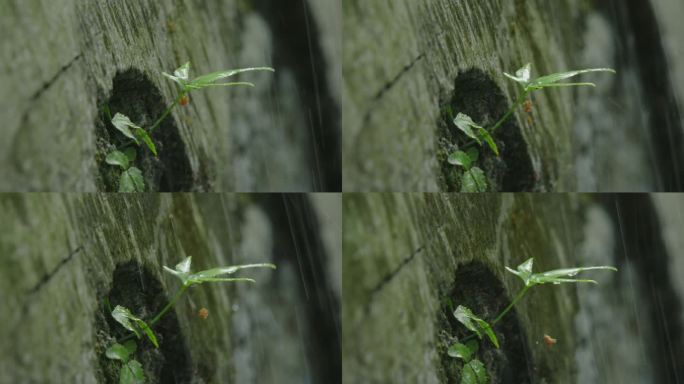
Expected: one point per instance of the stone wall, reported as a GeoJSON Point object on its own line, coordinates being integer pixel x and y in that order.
{"type": "Point", "coordinates": [63, 254]}
{"type": "Point", "coordinates": [61, 59]}
{"type": "Point", "coordinates": [409, 259]}
{"type": "Point", "coordinates": [405, 61]}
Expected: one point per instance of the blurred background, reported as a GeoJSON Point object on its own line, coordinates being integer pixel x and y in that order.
{"type": "Point", "coordinates": [63, 254]}
{"type": "Point", "coordinates": [64, 60]}
{"type": "Point", "coordinates": [410, 258]}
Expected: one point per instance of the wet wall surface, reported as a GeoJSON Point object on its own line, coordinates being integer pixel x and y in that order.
{"type": "Point", "coordinates": [64, 254]}
{"type": "Point", "coordinates": [415, 257]}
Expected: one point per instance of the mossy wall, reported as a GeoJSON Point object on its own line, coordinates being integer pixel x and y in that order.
{"type": "Point", "coordinates": [410, 258]}
{"type": "Point", "coordinates": [402, 61]}
{"type": "Point", "coordinates": [60, 254]}
{"type": "Point", "coordinates": [60, 59]}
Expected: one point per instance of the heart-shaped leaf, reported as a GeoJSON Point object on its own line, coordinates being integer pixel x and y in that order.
{"type": "Point", "coordinates": [117, 158]}
{"type": "Point", "coordinates": [460, 158]}
{"type": "Point", "coordinates": [522, 75]}
{"type": "Point", "coordinates": [117, 352]}
{"type": "Point", "coordinates": [131, 373]}
{"type": "Point", "coordinates": [474, 373]}
{"type": "Point", "coordinates": [474, 180]}
{"type": "Point", "coordinates": [464, 352]}
{"type": "Point", "coordinates": [131, 181]}
{"type": "Point", "coordinates": [466, 124]}
{"type": "Point", "coordinates": [122, 123]}
{"type": "Point", "coordinates": [133, 323]}
{"type": "Point", "coordinates": [466, 317]}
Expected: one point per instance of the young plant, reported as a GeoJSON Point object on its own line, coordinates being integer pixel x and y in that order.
{"type": "Point", "coordinates": [131, 179]}
{"type": "Point", "coordinates": [131, 370]}
{"type": "Point", "coordinates": [479, 134]}
{"type": "Point", "coordinates": [473, 370]}
{"type": "Point", "coordinates": [474, 179]}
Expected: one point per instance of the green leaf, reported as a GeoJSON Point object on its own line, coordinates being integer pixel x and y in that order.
{"type": "Point", "coordinates": [524, 270]}
{"type": "Point", "coordinates": [180, 75]}
{"type": "Point", "coordinates": [117, 352]}
{"type": "Point", "coordinates": [148, 331]}
{"type": "Point", "coordinates": [131, 373]}
{"type": "Point", "coordinates": [182, 271]}
{"type": "Point", "coordinates": [463, 351]}
{"type": "Point", "coordinates": [466, 124]}
{"type": "Point", "coordinates": [460, 158]}
{"type": "Point", "coordinates": [184, 266]}
{"type": "Point", "coordinates": [117, 158]}
{"type": "Point", "coordinates": [130, 346]}
{"type": "Point", "coordinates": [124, 125]}
{"type": "Point", "coordinates": [124, 317]}
{"type": "Point", "coordinates": [556, 276]}
{"type": "Point", "coordinates": [522, 75]}
{"type": "Point", "coordinates": [473, 153]}
{"type": "Point", "coordinates": [474, 373]}
{"type": "Point", "coordinates": [130, 153]}
{"type": "Point", "coordinates": [210, 78]}
{"type": "Point", "coordinates": [474, 180]}
{"type": "Point", "coordinates": [211, 275]}
{"type": "Point", "coordinates": [132, 181]}
{"type": "Point", "coordinates": [550, 80]}
{"type": "Point", "coordinates": [466, 317]}
{"type": "Point", "coordinates": [145, 137]}
{"type": "Point", "coordinates": [488, 139]}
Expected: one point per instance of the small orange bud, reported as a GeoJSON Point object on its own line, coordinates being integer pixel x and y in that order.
{"type": "Point", "coordinates": [184, 100]}
{"type": "Point", "coordinates": [550, 341]}
{"type": "Point", "coordinates": [203, 313]}
{"type": "Point", "coordinates": [527, 105]}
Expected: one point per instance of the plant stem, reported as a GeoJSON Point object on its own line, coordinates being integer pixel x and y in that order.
{"type": "Point", "coordinates": [515, 105]}
{"type": "Point", "coordinates": [502, 314]}
{"type": "Point", "coordinates": [169, 305]}
{"type": "Point", "coordinates": [503, 118]}
{"type": "Point", "coordinates": [517, 298]}
{"type": "Point", "coordinates": [160, 314]}
{"type": "Point", "coordinates": [167, 111]}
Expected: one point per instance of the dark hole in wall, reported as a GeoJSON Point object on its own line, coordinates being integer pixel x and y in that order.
{"type": "Point", "coordinates": [297, 241]}
{"type": "Point", "coordinates": [135, 288]}
{"type": "Point", "coordinates": [134, 95]}
{"type": "Point", "coordinates": [638, 229]}
{"type": "Point", "coordinates": [478, 96]}
{"type": "Point", "coordinates": [477, 288]}
{"type": "Point", "coordinates": [640, 45]}
{"type": "Point", "coordinates": [297, 46]}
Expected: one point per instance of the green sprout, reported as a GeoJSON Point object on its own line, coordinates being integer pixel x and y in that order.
{"type": "Point", "coordinates": [478, 134]}
{"type": "Point", "coordinates": [131, 370]}
{"type": "Point", "coordinates": [473, 371]}
{"type": "Point", "coordinates": [131, 179]}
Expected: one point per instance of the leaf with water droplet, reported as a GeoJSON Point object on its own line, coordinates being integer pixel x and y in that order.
{"type": "Point", "coordinates": [556, 276]}
{"type": "Point", "coordinates": [466, 317]}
